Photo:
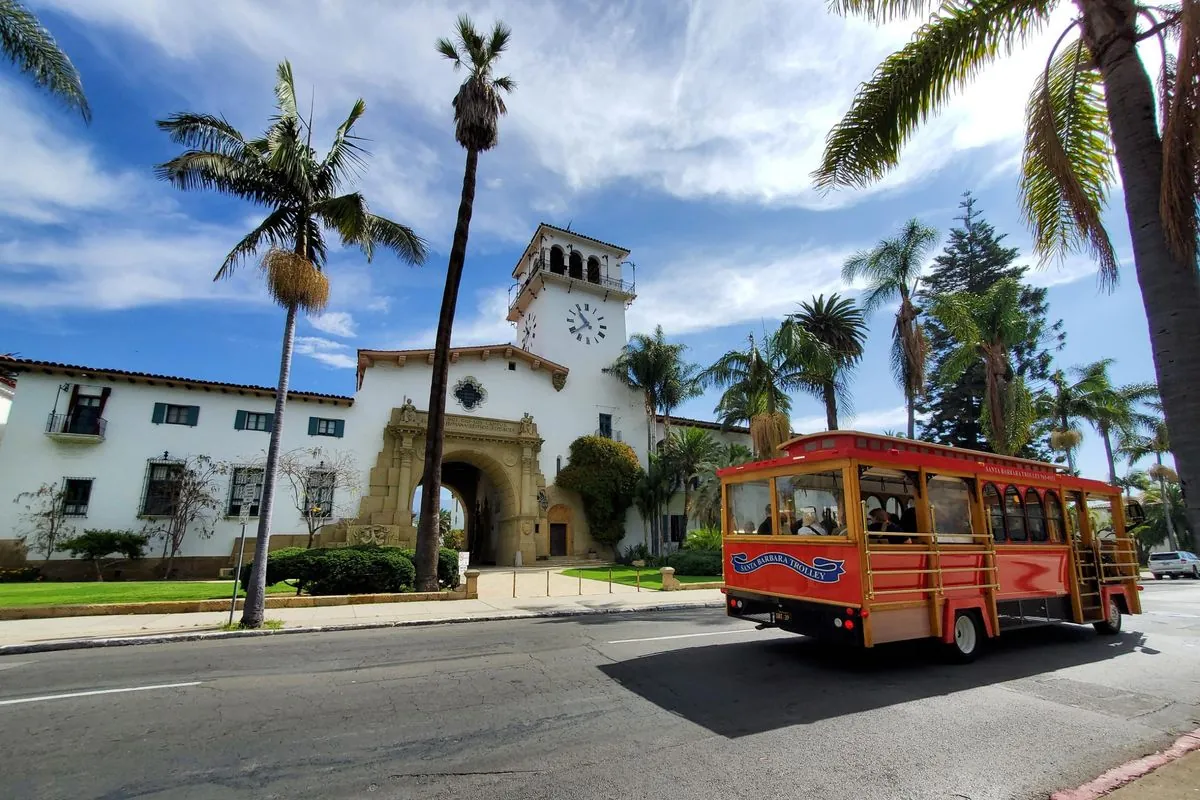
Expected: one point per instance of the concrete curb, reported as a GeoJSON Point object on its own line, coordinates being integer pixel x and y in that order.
{"type": "Point", "coordinates": [201, 636]}
{"type": "Point", "coordinates": [1127, 773]}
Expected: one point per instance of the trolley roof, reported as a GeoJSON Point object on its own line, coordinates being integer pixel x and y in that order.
{"type": "Point", "coordinates": [912, 453]}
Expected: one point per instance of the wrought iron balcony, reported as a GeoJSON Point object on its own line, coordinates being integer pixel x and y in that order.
{"type": "Point", "coordinates": [76, 427]}
{"type": "Point", "coordinates": [542, 265]}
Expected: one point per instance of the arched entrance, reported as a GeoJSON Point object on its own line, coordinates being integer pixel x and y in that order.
{"type": "Point", "coordinates": [491, 463]}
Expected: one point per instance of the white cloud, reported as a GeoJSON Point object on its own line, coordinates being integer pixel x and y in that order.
{"type": "Point", "coordinates": [874, 421]}
{"type": "Point", "coordinates": [327, 351]}
{"type": "Point", "coordinates": [700, 291]}
{"type": "Point", "coordinates": [606, 94]}
{"type": "Point", "coordinates": [47, 173]}
{"type": "Point", "coordinates": [335, 323]}
{"type": "Point", "coordinates": [487, 325]}
{"type": "Point", "coordinates": [113, 269]}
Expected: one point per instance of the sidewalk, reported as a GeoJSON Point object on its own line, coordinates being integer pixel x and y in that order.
{"type": "Point", "coordinates": [25, 636]}
{"type": "Point", "coordinates": [1173, 774]}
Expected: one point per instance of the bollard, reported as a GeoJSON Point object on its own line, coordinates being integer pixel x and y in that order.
{"type": "Point", "coordinates": [547, 583]}
{"type": "Point", "coordinates": [669, 581]}
{"type": "Point", "coordinates": [514, 583]}
{"type": "Point", "coordinates": [472, 584]}
{"type": "Point", "coordinates": [610, 578]}
{"type": "Point", "coordinates": [638, 564]}
{"type": "Point", "coordinates": [581, 582]}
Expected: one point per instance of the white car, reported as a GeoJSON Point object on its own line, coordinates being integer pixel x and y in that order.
{"type": "Point", "coordinates": [1176, 563]}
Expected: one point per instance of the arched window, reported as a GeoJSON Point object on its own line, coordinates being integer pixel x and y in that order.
{"type": "Point", "coordinates": [1054, 518]}
{"type": "Point", "coordinates": [995, 511]}
{"type": "Point", "coordinates": [593, 270]}
{"type": "Point", "coordinates": [1014, 515]}
{"type": "Point", "coordinates": [1035, 516]}
{"type": "Point", "coordinates": [557, 264]}
{"type": "Point", "coordinates": [575, 269]}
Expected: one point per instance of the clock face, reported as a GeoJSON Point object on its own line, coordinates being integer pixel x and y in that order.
{"type": "Point", "coordinates": [586, 324]}
{"type": "Point", "coordinates": [528, 330]}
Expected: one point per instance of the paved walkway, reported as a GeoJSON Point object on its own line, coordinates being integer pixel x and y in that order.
{"type": "Point", "coordinates": [22, 632]}
{"type": "Point", "coordinates": [1179, 780]}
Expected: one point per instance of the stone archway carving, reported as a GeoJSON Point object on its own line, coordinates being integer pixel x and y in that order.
{"type": "Point", "coordinates": [506, 450]}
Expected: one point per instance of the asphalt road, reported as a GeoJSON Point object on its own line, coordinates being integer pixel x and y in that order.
{"type": "Point", "coordinates": [658, 705]}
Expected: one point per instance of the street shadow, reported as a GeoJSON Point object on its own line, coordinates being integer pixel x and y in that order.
{"type": "Point", "coordinates": [751, 687]}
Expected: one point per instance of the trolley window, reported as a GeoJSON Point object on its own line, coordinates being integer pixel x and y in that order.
{"type": "Point", "coordinates": [1014, 515]}
{"type": "Point", "coordinates": [750, 508]}
{"type": "Point", "coordinates": [1035, 516]}
{"type": "Point", "coordinates": [1054, 518]}
{"type": "Point", "coordinates": [995, 511]}
{"type": "Point", "coordinates": [950, 507]}
{"type": "Point", "coordinates": [812, 505]}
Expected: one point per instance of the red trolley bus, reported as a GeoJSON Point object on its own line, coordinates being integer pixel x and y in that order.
{"type": "Point", "coordinates": [865, 539]}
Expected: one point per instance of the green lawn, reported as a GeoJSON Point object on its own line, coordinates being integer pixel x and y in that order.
{"type": "Point", "coordinates": [49, 593]}
{"type": "Point", "coordinates": [651, 578]}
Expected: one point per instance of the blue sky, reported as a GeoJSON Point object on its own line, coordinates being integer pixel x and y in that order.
{"type": "Point", "coordinates": [679, 130]}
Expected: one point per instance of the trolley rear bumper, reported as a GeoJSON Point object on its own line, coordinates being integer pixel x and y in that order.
{"type": "Point", "coordinates": [842, 624]}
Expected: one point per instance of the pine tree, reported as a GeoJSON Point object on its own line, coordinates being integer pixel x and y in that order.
{"type": "Point", "coordinates": [974, 259]}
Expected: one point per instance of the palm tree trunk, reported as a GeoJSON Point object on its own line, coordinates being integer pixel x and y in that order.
{"type": "Point", "coordinates": [1108, 453]}
{"type": "Point", "coordinates": [1168, 517]}
{"type": "Point", "coordinates": [1170, 285]}
{"type": "Point", "coordinates": [831, 420]}
{"type": "Point", "coordinates": [431, 489]}
{"type": "Point", "coordinates": [911, 402]}
{"type": "Point", "coordinates": [253, 609]}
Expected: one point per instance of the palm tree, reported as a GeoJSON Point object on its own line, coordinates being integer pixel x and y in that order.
{"type": "Point", "coordinates": [1152, 440]}
{"type": "Point", "coordinates": [689, 450]}
{"type": "Point", "coordinates": [1093, 104]}
{"type": "Point", "coordinates": [986, 327]}
{"type": "Point", "coordinates": [654, 490]}
{"type": "Point", "coordinates": [655, 367]}
{"type": "Point", "coordinates": [1063, 408]}
{"type": "Point", "coordinates": [838, 325]}
{"type": "Point", "coordinates": [758, 380]}
{"type": "Point", "coordinates": [303, 192]}
{"type": "Point", "coordinates": [31, 47]}
{"type": "Point", "coordinates": [478, 106]}
{"type": "Point", "coordinates": [706, 500]}
{"type": "Point", "coordinates": [893, 269]}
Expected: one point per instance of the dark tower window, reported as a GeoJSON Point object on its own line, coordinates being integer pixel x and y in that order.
{"type": "Point", "coordinates": [557, 264]}
{"type": "Point", "coordinates": [576, 269]}
{"type": "Point", "coordinates": [593, 270]}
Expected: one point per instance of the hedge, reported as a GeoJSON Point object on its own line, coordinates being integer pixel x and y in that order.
{"type": "Point", "coordinates": [20, 574]}
{"type": "Point", "coordinates": [696, 562]}
{"type": "Point", "coordinates": [368, 569]}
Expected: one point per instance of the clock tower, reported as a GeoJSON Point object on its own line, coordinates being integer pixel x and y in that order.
{"type": "Point", "coordinates": [570, 298]}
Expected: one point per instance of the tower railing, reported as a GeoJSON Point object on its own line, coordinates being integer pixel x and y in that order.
{"type": "Point", "coordinates": [541, 265]}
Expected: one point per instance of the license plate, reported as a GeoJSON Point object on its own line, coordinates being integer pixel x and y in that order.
{"type": "Point", "coordinates": [782, 616]}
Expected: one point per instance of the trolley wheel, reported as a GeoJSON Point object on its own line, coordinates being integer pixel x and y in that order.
{"type": "Point", "coordinates": [968, 637]}
{"type": "Point", "coordinates": [1112, 625]}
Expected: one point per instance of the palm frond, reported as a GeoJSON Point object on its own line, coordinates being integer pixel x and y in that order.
{"type": "Point", "coordinates": [915, 82]}
{"type": "Point", "coordinates": [285, 91]}
{"type": "Point", "coordinates": [498, 42]}
{"type": "Point", "coordinates": [884, 10]}
{"type": "Point", "coordinates": [33, 50]}
{"type": "Point", "coordinates": [277, 230]}
{"type": "Point", "coordinates": [400, 239]}
{"type": "Point", "coordinates": [1181, 142]}
{"type": "Point", "coordinates": [344, 158]}
{"type": "Point", "coordinates": [1067, 161]}
{"type": "Point", "coordinates": [448, 50]}
{"type": "Point", "coordinates": [199, 169]}
{"type": "Point", "coordinates": [204, 132]}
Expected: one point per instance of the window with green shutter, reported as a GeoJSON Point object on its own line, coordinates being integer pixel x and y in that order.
{"type": "Point", "coordinates": [172, 414]}
{"type": "Point", "coordinates": [319, 426]}
{"type": "Point", "coordinates": [253, 421]}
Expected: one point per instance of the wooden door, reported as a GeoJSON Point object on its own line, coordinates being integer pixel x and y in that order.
{"type": "Point", "coordinates": [558, 539]}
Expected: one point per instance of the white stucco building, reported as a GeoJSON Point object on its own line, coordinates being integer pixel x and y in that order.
{"type": "Point", "coordinates": [111, 436]}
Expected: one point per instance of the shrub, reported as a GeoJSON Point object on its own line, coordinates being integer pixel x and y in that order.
{"type": "Point", "coordinates": [455, 540]}
{"type": "Point", "coordinates": [20, 575]}
{"type": "Point", "coordinates": [285, 564]}
{"type": "Point", "coordinates": [447, 567]}
{"type": "Point", "coordinates": [637, 552]}
{"type": "Point", "coordinates": [351, 570]}
{"type": "Point", "coordinates": [703, 539]}
{"type": "Point", "coordinates": [605, 474]}
{"type": "Point", "coordinates": [696, 562]}
{"type": "Point", "coordinates": [98, 545]}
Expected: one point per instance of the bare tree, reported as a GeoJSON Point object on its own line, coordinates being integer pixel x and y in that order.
{"type": "Point", "coordinates": [45, 517]}
{"type": "Point", "coordinates": [323, 485]}
{"type": "Point", "coordinates": [192, 499]}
